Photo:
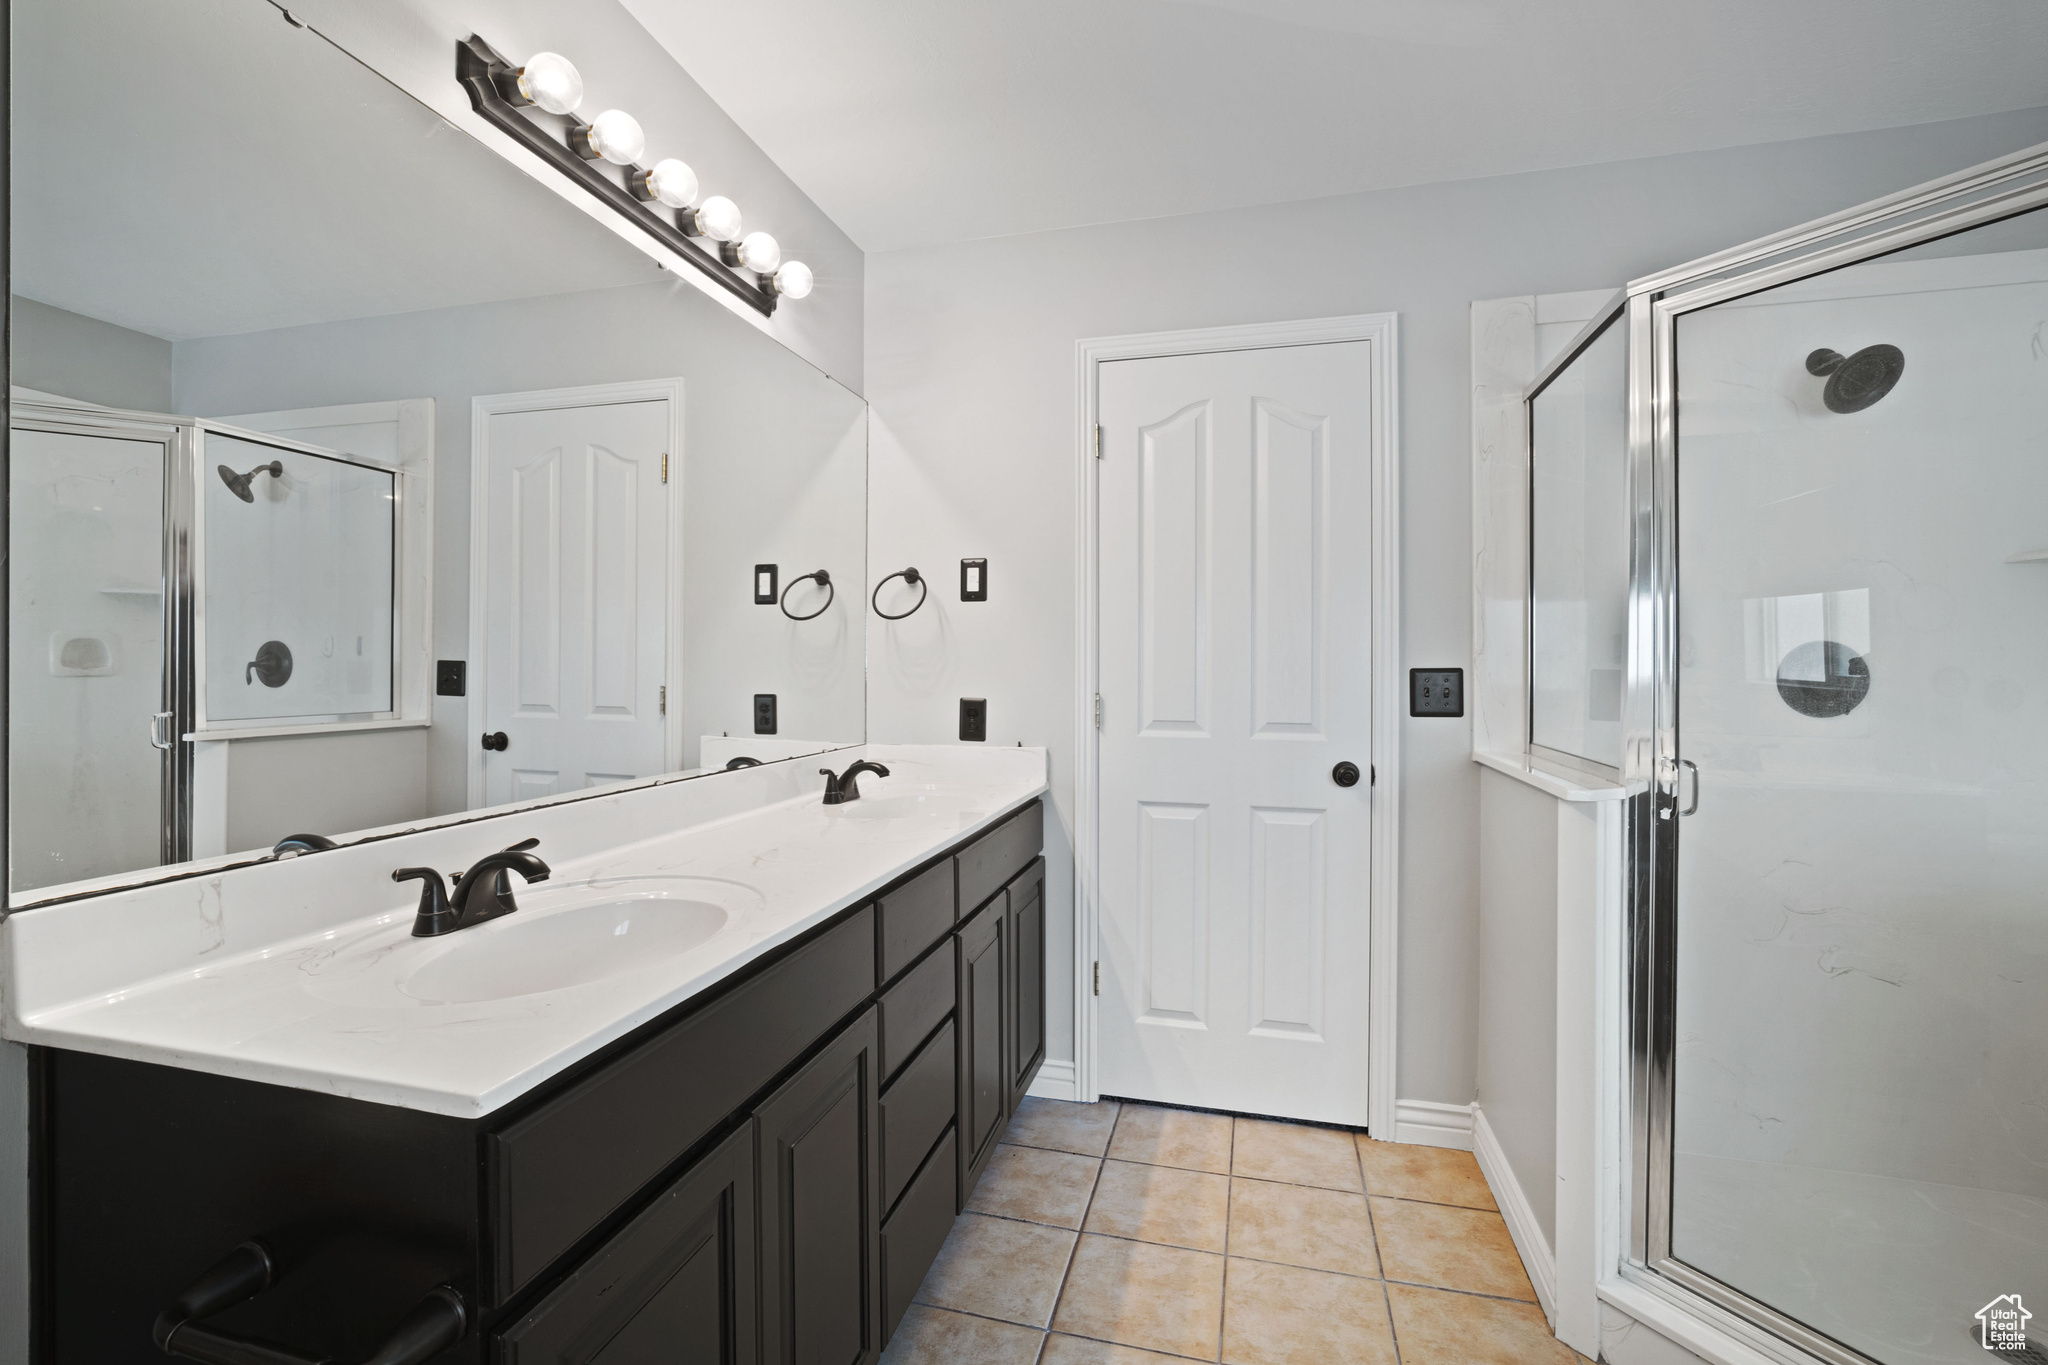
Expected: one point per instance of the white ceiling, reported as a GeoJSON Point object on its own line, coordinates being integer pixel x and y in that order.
{"type": "Point", "coordinates": [203, 168]}
{"type": "Point", "coordinates": [926, 121]}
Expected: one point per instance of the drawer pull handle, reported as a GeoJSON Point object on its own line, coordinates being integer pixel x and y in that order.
{"type": "Point", "coordinates": [435, 1323]}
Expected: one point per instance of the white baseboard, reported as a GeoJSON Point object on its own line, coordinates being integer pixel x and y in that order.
{"type": "Point", "coordinates": [1537, 1257]}
{"type": "Point", "coordinates": [1056, 1081]}
{"type": "Point", "coordinates": [1433, 1124]}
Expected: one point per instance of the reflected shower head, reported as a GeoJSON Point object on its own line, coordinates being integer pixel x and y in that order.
{"type": "Point", "coordinates": [238, 484]}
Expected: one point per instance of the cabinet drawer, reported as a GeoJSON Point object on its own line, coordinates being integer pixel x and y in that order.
{"type": "Point", "coordinates": [912, 1008]}
{"type": "Point", "coordinates": [916, 1108]}
{"type": "Point", "coordinates": [914, 916]}
{"type": "Point", "coordinates": [556, 1172]}
{"type": "Point", "coordinates": [999, 855]}
{"type": "Point", "coordinates": [914, 1233]}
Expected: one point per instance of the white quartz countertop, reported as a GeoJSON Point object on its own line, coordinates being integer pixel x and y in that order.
{"type": "Point", "coordinates": [338, 1006]}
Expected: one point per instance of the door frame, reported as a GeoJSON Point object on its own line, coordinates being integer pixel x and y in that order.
{"type": "Point", "coordinates": [481, 409]}
{"type": "Point", "coordinates": [1381, 331]}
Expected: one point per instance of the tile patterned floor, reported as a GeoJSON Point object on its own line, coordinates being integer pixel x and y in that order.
{"type": "Point", "coordinates": [1103, 1235]}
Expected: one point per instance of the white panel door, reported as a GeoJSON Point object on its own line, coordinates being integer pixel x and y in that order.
{"type": "Point", "coordinates": [576, 601]}
{"type": "Point", "coordinates": [1236, 667]}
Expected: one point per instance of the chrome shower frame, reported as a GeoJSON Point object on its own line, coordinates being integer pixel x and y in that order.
{"type": "Point", "coordinates": [1984, 194]}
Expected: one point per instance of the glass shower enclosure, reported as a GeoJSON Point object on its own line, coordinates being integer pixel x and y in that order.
{"type": "Point", "coordinates": [1836, 736]}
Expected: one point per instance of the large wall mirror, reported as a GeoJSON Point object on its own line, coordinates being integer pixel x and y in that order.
{"type": "Point", "coordinates": [360, 480]}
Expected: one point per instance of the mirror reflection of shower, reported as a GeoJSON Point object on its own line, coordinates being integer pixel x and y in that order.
{"type": "Point", "coordinates": [238, 484]}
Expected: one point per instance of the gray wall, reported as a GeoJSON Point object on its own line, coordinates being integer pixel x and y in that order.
{"type": "Point", "coordinates": [412, 42]}
{"type": "Point", "coordinates": [970, 368]}
{"type": "Point", "coordinates": [1518, 983]}
{"type": "Point", "coordinates": [80, 357]}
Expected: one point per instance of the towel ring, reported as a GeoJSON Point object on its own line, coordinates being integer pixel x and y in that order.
{"type": "Point", "coordinates": [910, 576]}
{"type": "Point", "coordinates": [824, 581]}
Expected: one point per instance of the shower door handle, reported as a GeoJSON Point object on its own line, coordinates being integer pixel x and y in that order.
{"type": "Point", "coordinates": [156, 728]}
{"type": "Point", "coordinates": [1688, 763]}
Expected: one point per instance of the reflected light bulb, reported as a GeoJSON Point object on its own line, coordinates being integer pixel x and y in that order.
{"type": "Point", "coordinates": [759, 253]}
{"type": "Point", "coordinates": [549, 80]}
{"type": "Point", "coordinates": [793, 281]}
{"type": "Point", "coordinates": [673, 183]}
{"type": "Point", "coordinates": [719, 219]}
{"type": "Point", "coordinates": [615, 135]}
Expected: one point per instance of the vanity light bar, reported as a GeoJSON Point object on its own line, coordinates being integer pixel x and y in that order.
{"type": "Point", "coordinates": [749, 264]}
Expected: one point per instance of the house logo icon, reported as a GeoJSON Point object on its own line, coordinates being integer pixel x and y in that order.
{"type": "Point", "coordinates": [2002, 1324]}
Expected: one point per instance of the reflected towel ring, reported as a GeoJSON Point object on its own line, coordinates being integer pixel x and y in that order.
{"type": "Point", "coordinates": [915, 580]}
{"type": "Point", "coordinates": [824, 581]}
{"type": "Point", "coordinates": [733, 765]}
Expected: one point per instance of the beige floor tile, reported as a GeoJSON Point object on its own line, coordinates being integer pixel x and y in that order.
{"type": "Point", "coordinates": [1437, 1327]}
{"type": "Point", "coordinates": [1063, 1126]}
{"type": "Point", "coordinates": [1161, 1204]}
{"type": "Point", "coordinates": [1062, 1350]}
{"type": "Point", "coordinates": [1284, 1315]}
{"type": "Point", "coordinates": [1299, 1225]}
{"type": "Point", "coordinates": [1036, 1185]}
{"type": "Point", "coordinates": [1172, 1137]}
{"type": "Point", "coordinates": [1158, 1298]}
{"type": "Point", "coordinates": [933, 1336]}
{"type": "Point", "coordinates": [1296, 1154]}
{"type": "Point", "coordinates": [999, 1269]}
{"type": "Point", "coordinates": [1435, 1175]}
{"type": "Point", "coordinates": [1451, 1248]}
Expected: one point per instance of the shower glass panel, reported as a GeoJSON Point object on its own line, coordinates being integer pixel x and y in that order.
{"type": "Point", "coordinates": [87, 647]}
{"type": "Point", "coordinates": [1578, 552]}
{"type": "Point", "coordinates": [1859, 1123]}
{"type": "Point", "coordinates": [298, 584]}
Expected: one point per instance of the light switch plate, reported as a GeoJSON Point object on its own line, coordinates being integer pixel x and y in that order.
{"type": "Point", "coordinates": [765, 583]}
{"type": "Point", "coordinates": [1436, 691]}
{"type": "Point", "coordinates": [974, 580]}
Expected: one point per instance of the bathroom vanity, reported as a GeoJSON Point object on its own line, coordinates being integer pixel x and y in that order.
{"type": "Point", "coordinates": [763, 1167]}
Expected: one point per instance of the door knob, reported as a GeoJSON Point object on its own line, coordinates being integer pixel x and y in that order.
{"type": "Point", "coordinates": [1345, 774]}
{"type": "Point", "coordinates": [497, 740]}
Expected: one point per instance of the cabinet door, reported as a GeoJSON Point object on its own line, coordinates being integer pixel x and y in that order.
{"type": "Point", "coordinates": [1027, 981]}
{"type": "Point", "coordinates": [984, 1023]}
{"type": "Point", "coordinates": [816, 1142]}
{"type": "Point", "coordinates": [674, 1287]}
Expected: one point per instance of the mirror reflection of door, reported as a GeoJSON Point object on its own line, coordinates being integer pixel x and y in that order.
{"type": "Point", "coordinates": [573, 599]}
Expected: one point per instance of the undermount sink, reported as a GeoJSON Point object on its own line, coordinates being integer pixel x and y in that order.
{"type": "Point", "coordinates": [573, 937]}
{"type": "Point", "coordinates": [897, 807]}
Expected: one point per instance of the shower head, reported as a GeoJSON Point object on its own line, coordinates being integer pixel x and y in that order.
{"type": "Point", "coordinates": [1856, 382]}
{"type": "Point", "coordinates": [238, 484]}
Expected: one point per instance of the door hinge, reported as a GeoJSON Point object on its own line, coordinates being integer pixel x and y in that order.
{"type": "Point", "coordinates": [1098, 710]}
{"type": "Point", "coordinates": [664, 699]}
{"type": "Point", "coordinates": [664, 466]}
{"type": "Point", "coordinates": [1098, 978]}
{"type": "Point", "coordinates": [1373, 780]}
{"type": "Point", "coordinates": [1098, 440]}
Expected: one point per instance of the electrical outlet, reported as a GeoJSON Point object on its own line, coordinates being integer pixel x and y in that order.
{"type": "Point", "coordinates": [974, 580]}
{"type": "Point", "coordinates": [451, 678]}
{"type": "Point", "coordinates": [764, 713]}
{"type": "Point", "coordinates": [765, 576]}
{"type": "Point", "coordinates": [1436, 691]}
{"type": "Point", "coordinates": [974, 718]}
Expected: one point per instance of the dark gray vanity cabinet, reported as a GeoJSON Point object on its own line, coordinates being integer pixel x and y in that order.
{"type": "Point", "coordinates": [816, 1144]}
{"type": "Point", "coordinates": [676, 1286]}
{"type": "Point", "coordinates": [1026, 910]}
{"type": "Point", "coordinates": [762, 1176]}
{"type": "Point", "coordinates": [985, 983]}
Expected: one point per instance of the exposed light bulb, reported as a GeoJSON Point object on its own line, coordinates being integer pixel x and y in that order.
{"type": "Point", "coordinates": [759, 253]}
{"type": "Point", "coordinates": [552, 82]}
{"type": "Point", "coordinates": [615, 135]}
{"type": "Point", "coordinates": [672, 183]}
{"type": "Point", "coordinates": [793, 280]}
{"type": "Point", "coordinates": [719, 219]}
